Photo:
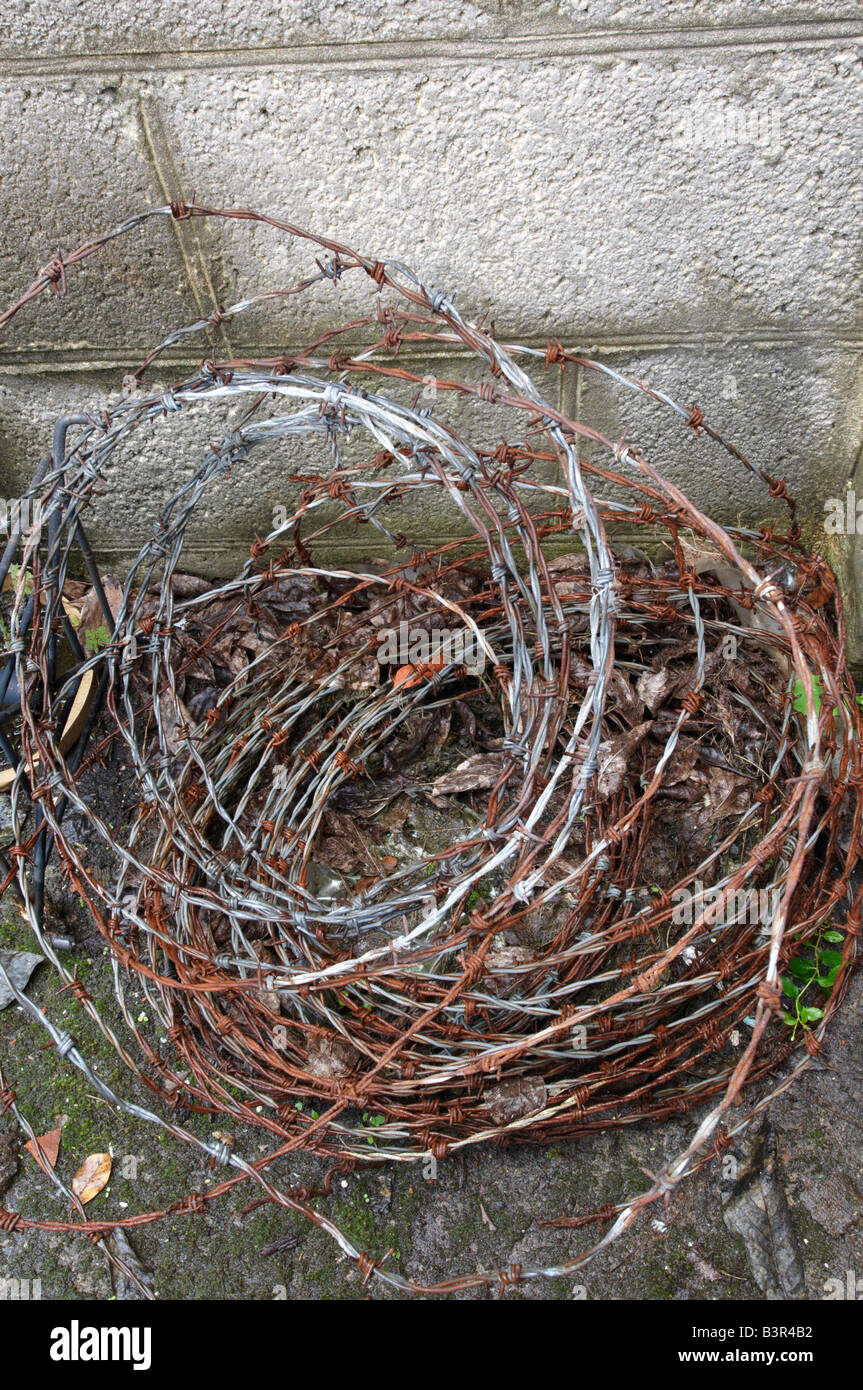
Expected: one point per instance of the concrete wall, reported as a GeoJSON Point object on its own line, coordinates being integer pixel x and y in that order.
{"type": "Point", "coordinates": [672, 186]}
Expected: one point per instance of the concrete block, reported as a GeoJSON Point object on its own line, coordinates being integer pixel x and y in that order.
{"type": "Point", "coordinates": [701, 14]}
{"type": "Point", "coordinates": [797, 412]}
{"type": "Point", "coordinates": [672, 185]}
{"type": "Point", "coordinates": [146, 469]}
{"type": "Point", "coordinates": [75, 164]}
{"type": "Point", "coordinates": [73, 27]}
{"type": "Point", "coordinates": [90, 27]}
{"type": "Point", "coordinates": [569, 197]}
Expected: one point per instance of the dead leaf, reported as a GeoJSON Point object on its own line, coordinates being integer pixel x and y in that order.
{"type": "Point", "coordinates": [614, 755]}
{"type": "Point", "coordinates": [174, 716]}
{"type": "Point", "coordinates": [512, 1100]}
{"type": "Point", "coordinates": [125, 1286]}
{"type": "Point", "coordinates": [92, 616]}
{"type": "Point", "coordinates": [330, 1057]}
{"type": "Point", "coordinates": [91, 1177]}
{"type": "Point", "coordinates": [654, 686]}
{"type": "Point", "coordinates": [406, 677]}
{"type": "Point", "coordinates": [49, 1144]}
{"type": "Point", "coordinates": [19, 966]}
{"type": "Point", "coordinates": [479, 773]}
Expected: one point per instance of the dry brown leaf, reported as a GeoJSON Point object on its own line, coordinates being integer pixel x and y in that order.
{"type": "Point", "coordinates": [174, 716]}
{"type": "Point", "coordinates": [730, 795]}
{"type": "Point", "coordinates": [512, 1100]}
{"type": "Point", "coordinates": [627, 703]}
{"type": "Point", "coordinates": [48, 1143]}
{"type": "Point", "coordinates": [92, 617]}
{"type": "Point", "coordinates": [330, 1057]}
{"type": "Point", "coordinates": [653, 686]}
{"type": "Point", "coordinates": [507, 957]}
{"type": "Point", "coordinates": [479, 773]}
{"type": "Point", "coordinates": [614, 755]}
{"type": "Point", "coordinates": [91, 1177]}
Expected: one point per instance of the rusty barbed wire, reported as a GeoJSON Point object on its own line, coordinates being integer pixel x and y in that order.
{"type": "Point", "coordinates": [422, 995]}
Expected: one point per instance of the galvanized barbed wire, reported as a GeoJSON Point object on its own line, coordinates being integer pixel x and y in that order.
{"type": "Point", "coordinates": [401, 999]}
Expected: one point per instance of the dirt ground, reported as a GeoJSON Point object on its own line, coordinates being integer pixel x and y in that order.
{"type": "Point", "coordinates": [777, 1217]}
{"type": "Point", "coordinates": [788, 1227]}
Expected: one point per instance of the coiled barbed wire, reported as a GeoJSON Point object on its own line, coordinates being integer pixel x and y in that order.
{"type": "Point", "coordinates": [407, 996]}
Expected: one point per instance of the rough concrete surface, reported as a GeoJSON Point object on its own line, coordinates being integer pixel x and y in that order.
{"type": "Point", "coordinates": [144, 474]}
{"type": "Point", "coordinates": [778, 1217]}
{"type": "Point", "coordinates": [72, 27]}
{"type": "Point", "coordinates": [565, 194]}
{"type": "Point", "coordinates": [667, 184]}
{"type": "Point", "coordinates": [750, 395]}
